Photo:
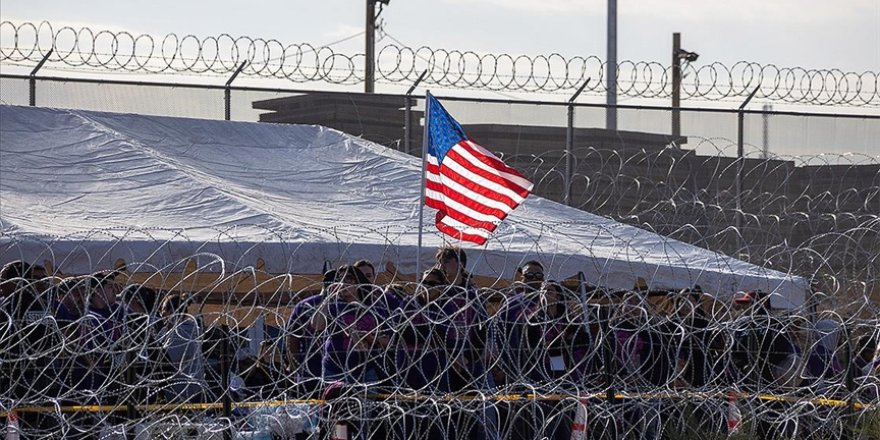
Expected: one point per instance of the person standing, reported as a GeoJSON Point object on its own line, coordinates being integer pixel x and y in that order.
{"type": "Point", "coordinates": [355, 339]}
{"type": "Point", "coordinates": [452, 260]}
{"type": "Point", "coordinates": [182, 338]}
{"type": "Point", "coordinates": [557, 335]}
{"type": "Point", "coordinates": [421, 327]}
{"type": "Point", "coordinates": [763, 359]}
{"type": "Point", "coordinates": [303, 348]}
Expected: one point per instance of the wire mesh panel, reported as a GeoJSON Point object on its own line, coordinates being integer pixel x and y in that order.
{"type": "Point", "coordinates": [14, 91]}
{"type": "Point", "coordinates": [122, 98]}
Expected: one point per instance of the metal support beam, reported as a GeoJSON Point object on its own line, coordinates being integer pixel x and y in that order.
{"type": "Point", "coordinates": [611, 68]}
{"type": "Point", "coordinates": [407, 114]}
{"type": "Point", "coordinates": [740, 163]}
{"type": "Point", "coordinates": [676, 87]}
{"type": "Point", "coordinates": [227, 91]}
{"type": "Point", "coordinates": [32, 79]}
{"type": "Point", "coordinates": [569, 144]}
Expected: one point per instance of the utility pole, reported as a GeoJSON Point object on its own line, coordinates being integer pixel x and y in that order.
{"type": "Point", "coordinates": [611, 68]}
{"type": "Point", "coordinates": [676, 87]}
{"type": "Point", "coordinates": [370, 49]}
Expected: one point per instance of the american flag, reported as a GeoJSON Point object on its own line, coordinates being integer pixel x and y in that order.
{"type": "Point", "coordinates": [472, 189]}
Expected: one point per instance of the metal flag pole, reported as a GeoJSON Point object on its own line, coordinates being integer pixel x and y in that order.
{"type": "Point", "coordinates": [424, 180]}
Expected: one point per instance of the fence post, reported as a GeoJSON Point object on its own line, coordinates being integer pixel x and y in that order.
{"type": "Point", "coordinates": [131, 381]}
{"type": "Point", "coordinates": [850, 383]}
{"type": "Point", "coordinates": [32, 92]}
{"type": "Point", "coordinates": [227, 91]}
{"type": "Point", "coordinates": [610, 346]}
{"type": "Point", "coordinates": [225, 369]}
{"type": "Point", "coordinates": [740, 164]}
{"type": "Point", "coordinates": [569, 145]}
{"type": "Point", "coordinates": [407, 125]}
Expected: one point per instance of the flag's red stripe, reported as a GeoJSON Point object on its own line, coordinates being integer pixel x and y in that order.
{"type": "Point", "coordinates": [465, 163]}
{"type": "Point", "coordinates": [434, 203]}
{"type": "Point", "coordinates": [466, 201]}
{"type": "Point", "coordinates": [468, 220]}
{"type": "Point", "coordinates": [455, 233]}
{"type": "Point", "coordinates": [477, 188]}
{"type": "Point", "coordinates": [489, 159]}
{"type": "Point", "coordinates": [471, 192]}
{"type": "Point", "coordinates": [480, 186]}
{"type": "Point", "coordinates": [465, 198]}
{"type": "Point", "coordinates": [460, 216]}
{"type": "Point", "coordinates": [497, 164]}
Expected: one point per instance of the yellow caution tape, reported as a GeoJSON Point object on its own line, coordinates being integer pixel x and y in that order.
{"type": "Point", "coordinates": [449, 398]}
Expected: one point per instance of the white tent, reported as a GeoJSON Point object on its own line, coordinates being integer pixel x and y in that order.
{"type": "Point", "coordinates": [86, 188]}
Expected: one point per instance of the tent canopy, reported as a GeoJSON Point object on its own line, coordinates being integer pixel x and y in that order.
{"type": "Point", "coordinates": [84, 189]}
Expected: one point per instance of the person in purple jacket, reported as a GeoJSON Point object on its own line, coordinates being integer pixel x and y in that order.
{"type": "Point", "coordinates": [303, 348]}
{"type": "Point", "coordinates": [452, 260]}
{"type": "Point", "coordinates": [557, 341]}
{"type": "Point", "coordinates": [105, 327]}
{"type": "Point", "coordinates": [824, 369]}
{"type": "Point", "coordinates": [354, 333]}
{"type": "Point", "coordinates": [866, 367]}
{"type": "Point", "coordinates": [556, 332]}
{"type": "Point", "coordinates": [420, 327]}
{"type": "Point", "coordinates": [93, 323]}
{"type": "Point", "coordinates": [387, 298]}
{"type": "Point", "coordinates": [73, 366]}
{"type": "Point", "coordinates": [355, 338]}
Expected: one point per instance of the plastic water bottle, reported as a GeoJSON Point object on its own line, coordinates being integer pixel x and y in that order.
{"type": "Point", "coordinates": [13, 432]}
{"type": "Point", "coordinates": [340, 431]}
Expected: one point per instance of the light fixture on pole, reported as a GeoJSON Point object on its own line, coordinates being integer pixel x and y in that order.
{"type": "Point", "coordinates": [678, 54]}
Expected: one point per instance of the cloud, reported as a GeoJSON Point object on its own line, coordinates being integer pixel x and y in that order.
{"type": "Point", "coordinates": [543, 6]}
{"type": "Point", "coordinates": [783, 11]}
{"type": "Point", "coordinates": [339, 32]}
{"type": "Point", "coordinates": [57, 25]}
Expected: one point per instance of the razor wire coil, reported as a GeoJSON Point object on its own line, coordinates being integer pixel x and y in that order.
{"type": "Point", "coordinates": [637, 346]}
{"type": "Point", "coordinates": [122, 51]}
{"type": "Point", "coordinates": [166, 373]}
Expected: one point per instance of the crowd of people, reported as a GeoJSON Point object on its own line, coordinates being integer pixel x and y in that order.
{"type": "Point", "coordinates": [91, 340]}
